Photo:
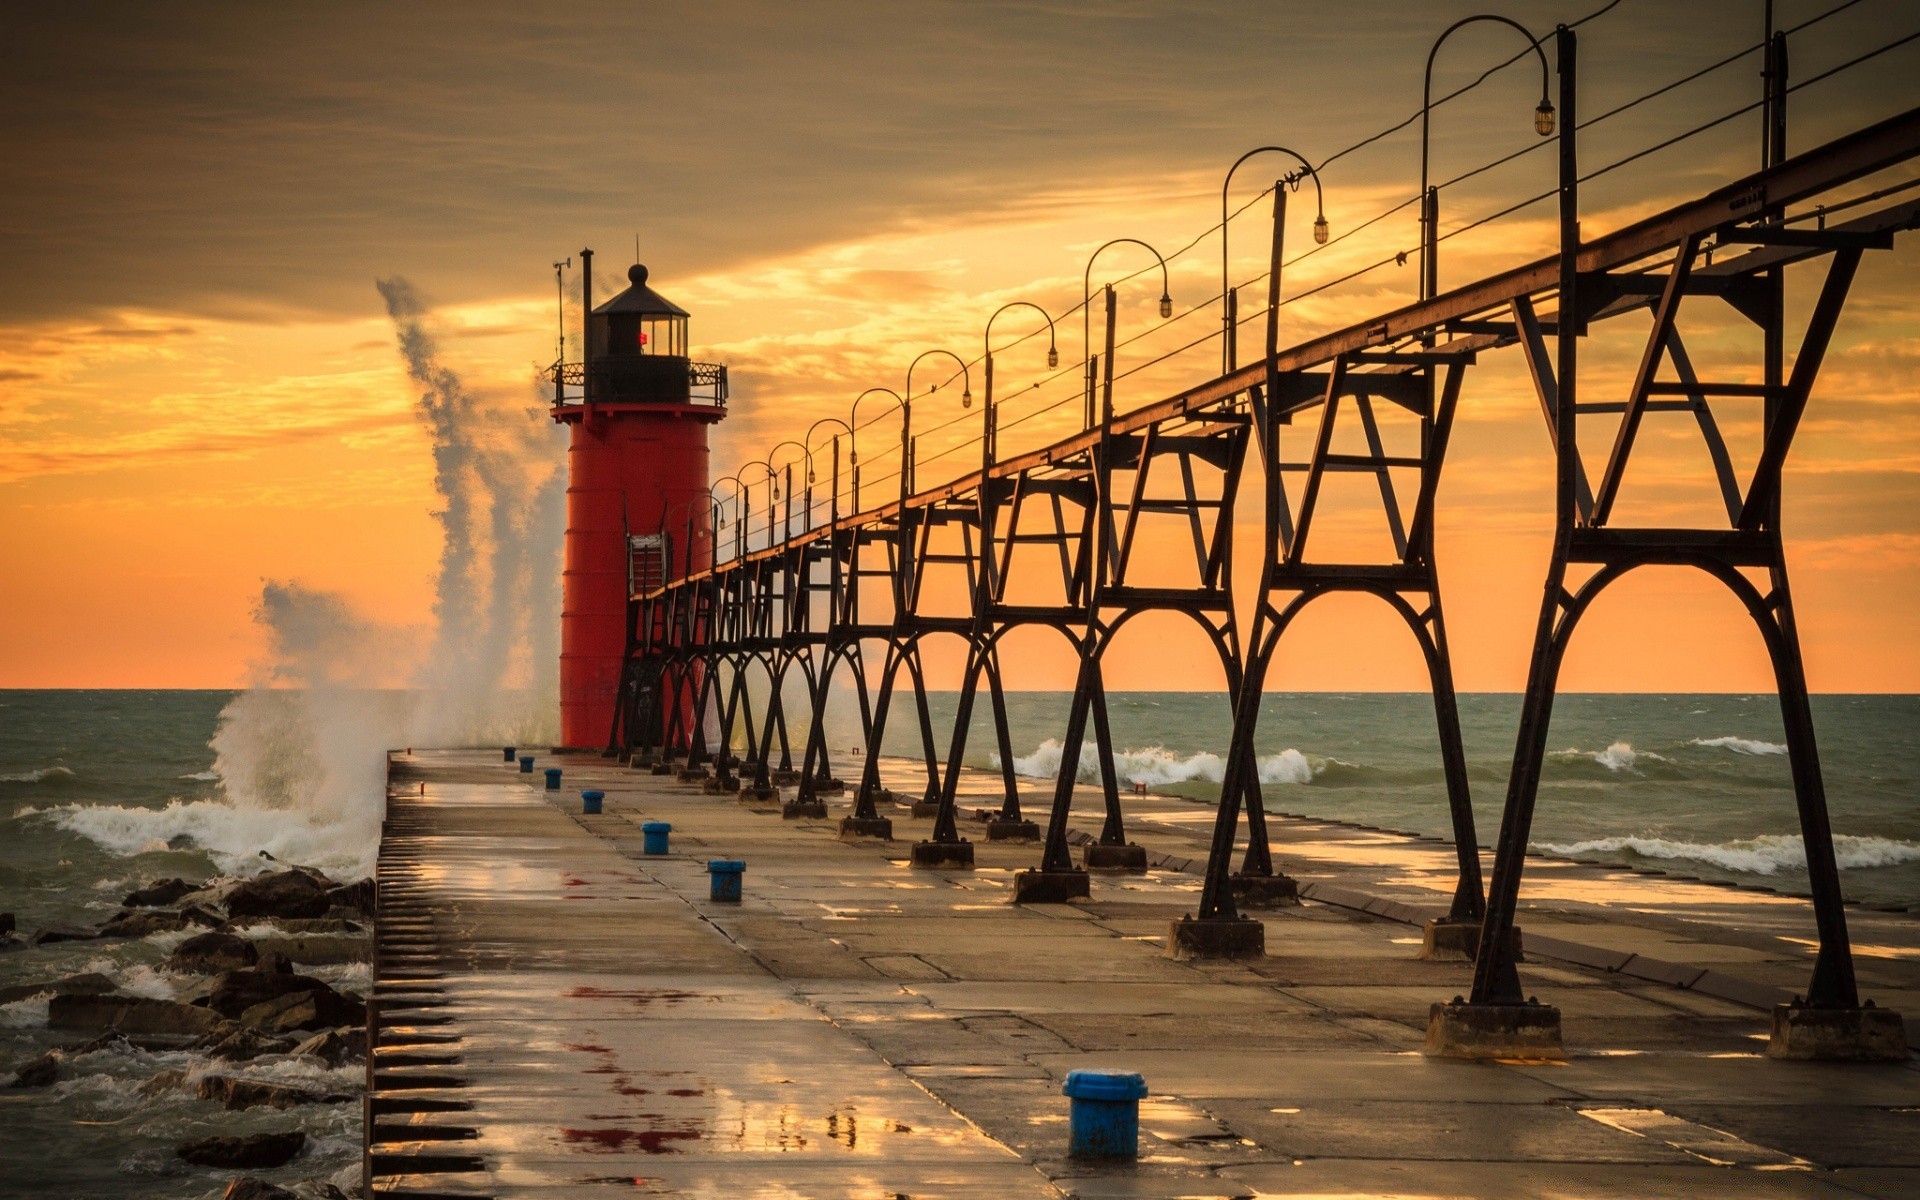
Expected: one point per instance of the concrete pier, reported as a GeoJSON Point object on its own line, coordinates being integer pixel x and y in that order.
{"type": "Point", "coordinates": [561, 1014]}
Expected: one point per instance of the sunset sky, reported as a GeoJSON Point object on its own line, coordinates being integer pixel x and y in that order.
{"type": "Point", "coordinates": [200, 391]}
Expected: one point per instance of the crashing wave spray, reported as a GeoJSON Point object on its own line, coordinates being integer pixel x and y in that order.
{"type": "Point", "coordinates": [309, 738]}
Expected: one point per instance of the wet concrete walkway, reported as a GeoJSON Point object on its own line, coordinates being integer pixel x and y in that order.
{"type": "Point", "coordinates": [564, 1015]}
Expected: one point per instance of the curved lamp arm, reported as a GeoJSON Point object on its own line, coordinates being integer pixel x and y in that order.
{"type": "Point", "coordinates": [1542, 115]}
{"type": "Point", "coordinates": [1320, 228]}
{"type": "Point", "coordinates": [1086, 293]}
{"type": "Point", "coordinates": [853, 420]}
{"type": "Point", "coordinates": [966, 378]}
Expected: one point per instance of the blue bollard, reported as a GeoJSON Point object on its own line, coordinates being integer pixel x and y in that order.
{"type": "Point", "coordinates": [725, 874]}
{"type": "Point", "coordinates": [526, 764]}
{"type": "Point", "coordinates": [590, 802]}
{"type": "Point", "coordinates": [655, 834]}
{"type": "Point", "coordinates": [553, 779]}
{"type": "Point", "coordinates": [1105, 1117]}
{"type": "Point", "coordinates": [510, 752]}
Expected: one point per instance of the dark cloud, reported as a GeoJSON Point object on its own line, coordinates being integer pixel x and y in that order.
{"type": "Point", "coordinates": [264, 161]}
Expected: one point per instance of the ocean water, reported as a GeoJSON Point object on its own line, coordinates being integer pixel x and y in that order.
{"type": "Point", "coordinates": [101, 792]}
{"type": "Point", "coordinates": [1689, 784]}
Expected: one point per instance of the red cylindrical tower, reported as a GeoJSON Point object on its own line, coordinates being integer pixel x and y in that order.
{"type": "Point", "coordinates": [637, 468]}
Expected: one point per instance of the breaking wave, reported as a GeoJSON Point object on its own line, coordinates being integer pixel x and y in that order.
{"type": "Point", "coordinates": [231, 835]}
{"type": "Point", "coordinates": [1767, 854]}
{"type": "Point", "coordinates": [1619, 757]}
{"type": "Point", "coordinates": [203, 776]}
{"type": "Point", "coordinates": [44, 773]}
{"type": "Point", "coordinates": [1740, 745]}
{"type": "Point", "coordinates": [1156, 766]}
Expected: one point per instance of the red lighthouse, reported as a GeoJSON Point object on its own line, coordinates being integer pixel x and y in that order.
{"type": "Point", "coordinates": [637, 465]}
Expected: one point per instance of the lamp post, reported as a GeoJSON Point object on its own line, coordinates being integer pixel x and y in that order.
{"type": "Point", "coordinates": [853, 435]}
{"type": "Point", "coordinates": [988, 429]}
{"type": "Point", "coordinates": [906, 413]}
{"type": "Point", "coordinates": [1229, 299]}
{"type": "Point", "coordinates": [773, 494]}
{"type": "Point", "coordinates": [1086, 317]}
{"type": "Point", "coordinates": [833, 497]}
{"type": "Point", "coordinates": [786, 525]}
{"type": "Point", "coordinates": [720, 517]}
{"type": "Point", "coordinates": [1429, 197]}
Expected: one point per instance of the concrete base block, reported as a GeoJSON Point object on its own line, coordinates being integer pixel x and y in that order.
{"type": "Point", "coordinates": [855, 828]}
{"type": "Point", "coordinates": [830, 787]}
{"type": "Point", "coordinates": [759, 795]}
{"type": "Point", "coordinates": [943, 855]}
{"type": "Point", "coordinates": [879, 796]}
{"type": "Point", "coordinates": [749, 766]}
{"type": "Point", "coordinates": [1264, 891]}
{"type": "Point", "coordinates": [1865, 1034]}
{"type": "Point", "coordinates": [784, 778]}
{"type": "Point", "coordinates": [1459, 941]}
{"type": "Point", "coordinates": [803, 810]}
{"type": "Point", "coordinates": [926, 808]}
{"type": "Point", "coordinates": [1216, 937]}
{"type": "Point", "coordinates": [662, 769]}
{"type": "Point", "coordinates": [1127, 860]}
{"type": "Point", "coordinates": [1012, 831]}
{"type": "Point", "coordinates": [693, 774]}
{"type": "Point", "coordinates": [721, 785]}
{"type": "Point", "coordinates": [1050, 887]}
{"type": "Point", "coordinates": [1462, 1030]}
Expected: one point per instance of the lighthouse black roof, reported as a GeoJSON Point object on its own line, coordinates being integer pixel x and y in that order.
{"type": "Point", "coordinates": [641, 299]}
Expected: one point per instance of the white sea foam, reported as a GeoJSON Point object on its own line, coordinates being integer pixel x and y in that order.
{"type": "Point", "coordinates": [1156, 766]}
{"type": "Point", "coordinates": [139, 979]}
{"type": "Point", "coordinates": [43, 773]}
{"type": "Point", "coordinates": [1617, 757]}
{"type": "Point", "coordinates": [232, 835]}
{"type": "Point", "coordinates": [203, 776]}
{"type": "Point", "coordinates": [1740, 745]}
{"type": "Point", "coordinates": [25, 1014]}
{"type": "Point", "coordinates": [1767, 854]}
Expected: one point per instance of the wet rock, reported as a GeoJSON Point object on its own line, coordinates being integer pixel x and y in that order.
{"type": "Point", "coordinates": [258, 1150]}
{"type": "Point", "coordinates": [233, 1041]}
{"type": "Point", "coordinates": [209, 953]}
{"type": "Point", "coordinates": [141, 922]}
{"type": "Point", "coordinates": [272, 962]}
{"type": "Point", "coordinates": [336, 1047]}
{"type": "Point", "coordinates": [129, 1014]}
{"type": "Point", "coordinates": [318, 949]}
{"type": "Point", "coordinates": [6, 923]}
{"type": "Point", "coordinates": [93, 1045]}
{"type": "Point", "coordinates": [41, 1072]}
{"type": "Point", "coordinates": [199, 914]}
{"type": "Point", "coordinates": [162, 1082]}
{"type": "Point", "coordinates": [159, 894]}
{"type": "Point", "coordinates": [10, 942]}
{"type": "Point", "coordinates": [329, 924]}
{"type": "Point", "coordinates": [357, 895]}
{"type": "Point", "coordinates": [285, 1014]}
{"type": "Point", "coordinates": [90, 984]}
{"type": "Point", "coordinates": [248, 1188]}
{"type": "Point", "coordinates": [237, 991]}
{"type": "Point", "coordinates": [237, 1094]}
{"type": "Point", "coordinates": [279, 894]}
{"type": "Point", "coordinates": [61, 932]}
